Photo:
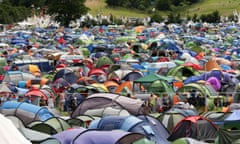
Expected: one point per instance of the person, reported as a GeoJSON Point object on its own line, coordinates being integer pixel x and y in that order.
{"type": "Point", "coordinates": [164, 103]}
{"type": "Point", "coordinates": [42, 102]}
{"type": "Point", "coordinates": [62, 101]}
{"type": "Point", "coordinates": [176, 99]}
{"type": "Point", "coordinates": [152, 102]}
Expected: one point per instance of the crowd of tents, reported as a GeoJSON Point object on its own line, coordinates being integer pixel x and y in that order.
{"type": "Point", "coordinates": [108, 84]}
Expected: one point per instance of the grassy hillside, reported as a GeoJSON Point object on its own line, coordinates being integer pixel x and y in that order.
{"type": "Point", "coordinates": [225, 7]}
{"type": "Point", "coordinates": [99, 6]}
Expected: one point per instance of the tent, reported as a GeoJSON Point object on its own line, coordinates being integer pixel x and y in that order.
{"type": "Point", "coordinates": [170, 119]}
{"type": "Point", "coordinates": [153, 77]}
{"type": "Point", "coordinates": [25, 111]}
{"type": "Point", "coordinates": [34, 69]}
{"type": "Point", "coordinates": [50, 126]}
{"type": "Point", "coordinates": [109, 137]}
{"type": "Point", "coordinates": [143, 124]}
{"type": "Point", "coordinates": [104, 60]}
{"type": "Point", "coordinates": [124, 88]}
{"type": "Point", "coordinates": [158, 87]}
{"type": "Point", "coordinates": [10, 134]}
{"type": "Point", "coordinates": [34, 92]}
{"type": "Point", "coordinates": [67, 136]}
{"type": "Point", "coordinates": [217, 118]}
{"type": "Point", "coordinates": [66, 74]}
{"type": "Point", "coordinates": [232, 121]}
{"type": "Point", "coordinates": [226, 136]}
{"type": "Point", "coordinates": [196, 127]}
{"type": "Point", "coordinates": [81, 121]}
{"type": "Point", "coordinates": [35, 137]}
{"type": "Point", "coordinates": [102, 100]}
{"type": "Point", "coordinates": [182, 72]}
{"type": "Point", "coordinates": [205, 90]}
{"type": "Point", "coordinates": [187, 140]}
{"type": "Point", "coordinates": [107, 111]}
{"type": "Point", "coordinates": [17, 76]}
{"type": "Point", "coordinates": [132, 76]}
{"type": "Point", "coordinates": [154, 81]}
{"type": "Point", "coordinates": [37, 81]}
{"type": "Point", "coordinates": [111, 86]}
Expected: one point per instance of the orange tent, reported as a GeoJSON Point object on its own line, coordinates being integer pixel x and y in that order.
{"type": "Point", "coordinates": [111, 84]}
{"type": "Point", "coordinates": [127, 84]}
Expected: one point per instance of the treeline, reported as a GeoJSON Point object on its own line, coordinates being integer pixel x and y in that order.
{"type": "Point", "coordinates": [12, 11]}
{"type": "Point", "coordinates": [65, 11]}
{"type": "Point", "coordinates": [149, 4]}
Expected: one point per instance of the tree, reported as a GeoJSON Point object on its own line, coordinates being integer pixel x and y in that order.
{"type": "Point", "coordinates": [156, 18]}
{"type": "Point", "coordinates": [66, 10]}
{"type": "Point", "coordinates": [163, 5]}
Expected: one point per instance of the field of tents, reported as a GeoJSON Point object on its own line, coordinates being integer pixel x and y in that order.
{"type": "Point", "coordinates": [157, 84]}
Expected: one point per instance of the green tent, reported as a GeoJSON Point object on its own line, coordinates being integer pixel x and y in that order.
{"type": "Point", "coordinates": [227, 136]}
{"type": "Point", "coordinates": [153, 77]}
{"type": "Point", "coordinates": [143, 141]}
{"type": "Point", "coordinates": [170, 119]}
{"type": "Point", "coordinates": [81, 121]}
{"type": "Point", "coordinates": [51, 126]}
{"type": "Point", "coordinates": [205, 90]}
{"type": "Point", "coordinates": [182, 72]}
{"type": "Point", "coordinates": [31, 135]}
{"type": "Point", "coordinates": [187, 140]}
{"type": "Point", "coordinates": [103, 61]}
{"type": "Point", "coordinates": [156, 83]}
{"type": "Point", "coordinates": [216, 117]}
{"type": "Point", "coordinates": [3, 63]}
{"type": "Point", "coordinates": [160, 86]}
{"type": "Point", "coordinates": [85, 52]}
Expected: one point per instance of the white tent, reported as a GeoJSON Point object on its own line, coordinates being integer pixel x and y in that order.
{"type": "Point", "coordinates": [9, 133]}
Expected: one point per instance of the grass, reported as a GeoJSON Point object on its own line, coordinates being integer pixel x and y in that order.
{"type": "Point", "coordinates": [225, 7]}
{"type": "Point", "coordinates": [100, 7]}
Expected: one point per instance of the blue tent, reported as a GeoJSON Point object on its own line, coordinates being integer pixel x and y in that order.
{"type": "Point", "coordinates": [149, 126]}
{"type": "Point", "coordinates": [25, 111]}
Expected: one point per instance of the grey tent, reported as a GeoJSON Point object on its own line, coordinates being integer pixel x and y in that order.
{"type": "Point", "coordinates": [102, 100]}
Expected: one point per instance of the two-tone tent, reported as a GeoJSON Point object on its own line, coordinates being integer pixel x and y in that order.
{"type": "Point", "coordinates": [196, 127]}
{"type": "Point", "coordinates": [25, 111]}
{"type": "Point", "coordinates": [102, 100]}
{"type": "Point", "coordinates": [146, 125]}
{"type": "Point", "coordinates": [50, 126]}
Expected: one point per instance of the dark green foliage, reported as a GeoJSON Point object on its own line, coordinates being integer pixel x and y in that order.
{"type": "Point", "coordinates": [146, 4]}
{"type": "Point", "coordinates": [213, 17]}
{"type": "Point", "coordinates": [135, 4]}
{"type": "Point", "coordinates": [10, 14]}
{"type": "Point", "coordinates": [174, 18]}
{"type": "Point", "coordinates": [67, 10]}
{"type": "Point", "coordinates": [195, 18]}
{"type": "Point", "coordinates": [163, 5]}
{"type": "Point", "coordinates": [156, 18]}
{"type": "Point", "coordinates": [64, 10]}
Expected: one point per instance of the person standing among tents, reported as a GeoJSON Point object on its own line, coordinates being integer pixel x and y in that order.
{"type": "Point", "coordinates": [152, 102]}
{"type": "Point", "coordinates": [163, 103]}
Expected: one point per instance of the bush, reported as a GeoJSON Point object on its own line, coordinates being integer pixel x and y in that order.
{"type": "Point", "coordinates": [156, 18]}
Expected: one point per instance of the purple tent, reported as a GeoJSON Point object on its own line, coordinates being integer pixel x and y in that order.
{"type": "Point", "coordinates": [216, 84]}
{"type": "Point", "coordinates": [67, 136]}
{"type": "Point", "coordinates": [107, 137]}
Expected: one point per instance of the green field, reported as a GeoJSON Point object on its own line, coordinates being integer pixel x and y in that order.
{"type": "Point", "coordinates": [225, 7]}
